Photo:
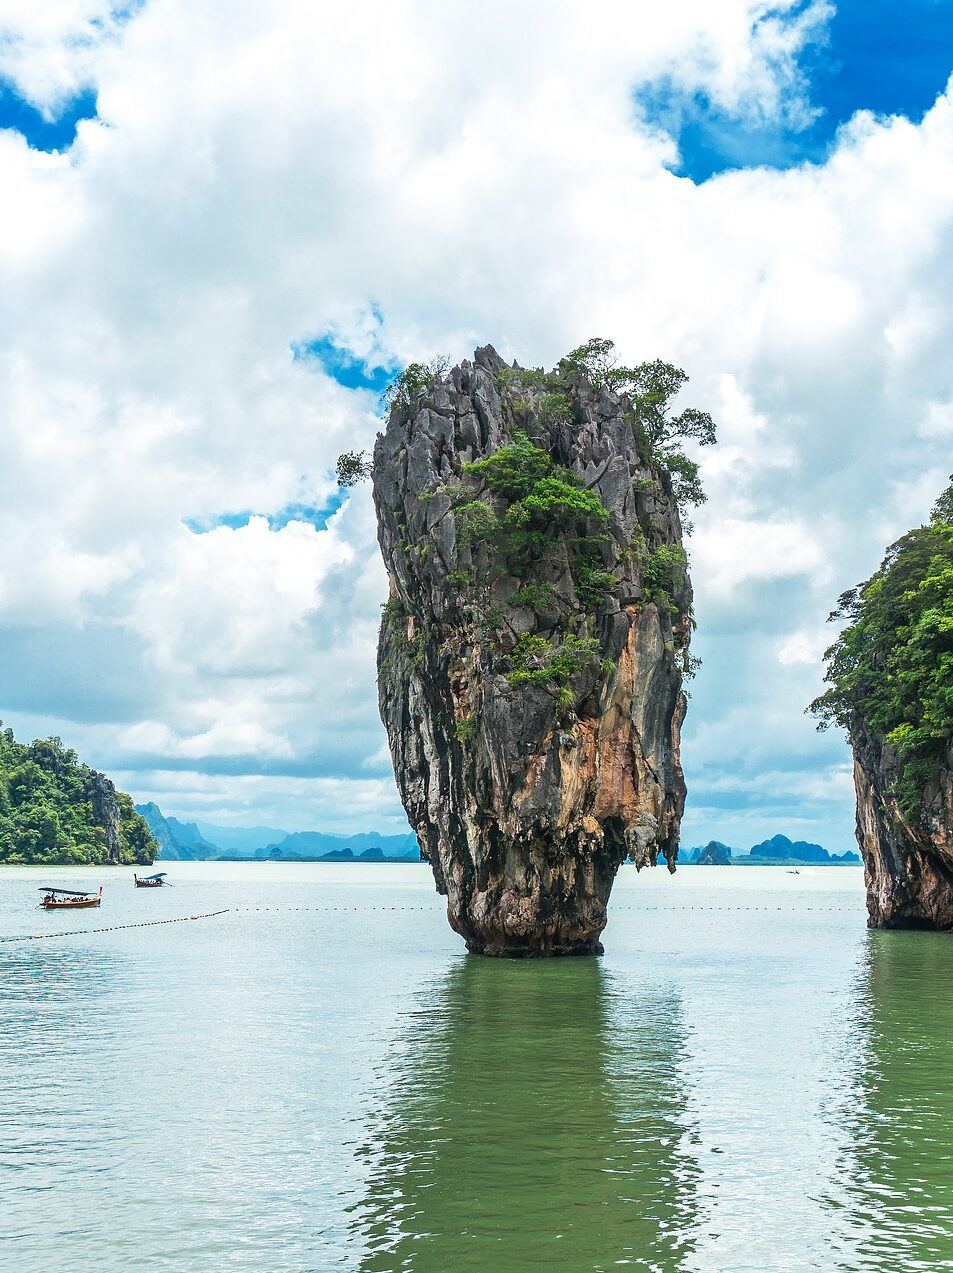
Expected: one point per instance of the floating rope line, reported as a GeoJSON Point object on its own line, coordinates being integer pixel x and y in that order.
{"type": "Point", "coordinates": [115, 928]}
{"type": "Point", "coordinates": [327, 910]}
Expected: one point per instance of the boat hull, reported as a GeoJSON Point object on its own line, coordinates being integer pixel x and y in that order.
{"type": "Point", "coordinates": [82, 905]}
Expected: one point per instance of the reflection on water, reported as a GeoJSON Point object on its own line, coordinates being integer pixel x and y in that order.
{"type": "Point", "coordinates": [532, 1121]}
{"type": "Point", "coordinates": [901, 1125]}
{"type": "Point", "coordinates": [317, 1080]}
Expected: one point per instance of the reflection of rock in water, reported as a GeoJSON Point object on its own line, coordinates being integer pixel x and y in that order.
{"type": "Point", "coordinates": [534, 1123]}
{"type": "Point", "coordinates": [901, 1167]}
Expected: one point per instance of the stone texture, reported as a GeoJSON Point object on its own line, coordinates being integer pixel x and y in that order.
{"type": "Point", "coordinates": [101, 793]}
{"type": "Point", "coordinates": [908, 865]}
{"type": "Point", "coordinates": [526, 808]}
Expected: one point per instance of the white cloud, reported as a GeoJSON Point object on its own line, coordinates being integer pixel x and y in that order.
{"type": "Point", "coordinates": [262, 174]}
{"type": "Point", "coordinates": [805, 646]}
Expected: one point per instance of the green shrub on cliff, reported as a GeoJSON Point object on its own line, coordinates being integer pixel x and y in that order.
{"type": "Point", "coordinates": [535, 662]}
{"type": "Point", "coordinates": [891, 670]}
{"type": "Point", "coordinates": [47, 810]}
{"type": "Point", "coordinates": [404, 388]}
{"type": "Point", "coordinates": [546, 505]}
{"type": "Point", "coordinates": [650, 389]}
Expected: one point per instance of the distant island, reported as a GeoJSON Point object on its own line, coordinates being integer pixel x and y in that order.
{"type": "Point", "coordinates": [201, 841]}
{"type": "Point", "coordinates": [208, 841]}
{"type": "Point", "coordinates": [778, 851]}
{"type": "Point", "coordinates": [55, 811]}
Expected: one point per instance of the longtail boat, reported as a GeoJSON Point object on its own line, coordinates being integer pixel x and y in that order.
{"type": "Point", "coordinates": [150, 881]}
{"type": "Point", "coordinates": [69, 899]}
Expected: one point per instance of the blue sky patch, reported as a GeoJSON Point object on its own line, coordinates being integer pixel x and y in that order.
{"type": "Point", "coordinates": [41, 133]}
{"type": "Point", "coordinates": [317, 517]}
{"type": "Point", "coordinates": [892, 57]}
{"type": "Point", "coordinates": [344, 366]}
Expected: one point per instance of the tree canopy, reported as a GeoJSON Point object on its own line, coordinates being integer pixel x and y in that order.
{"type": "Point", "coordinates": [890, 671]}
{"type": "Point", "coordinates": [47, 813]}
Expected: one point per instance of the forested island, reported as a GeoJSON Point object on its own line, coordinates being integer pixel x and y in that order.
{"type": "Point", "coordinates": [55, 810]}
{"type": "Point", "coordinates": [533, 648]}
{"type": "Point", "coordinates": [890, 676]}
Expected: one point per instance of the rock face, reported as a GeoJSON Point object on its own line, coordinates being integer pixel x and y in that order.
{"type": "Point", "coordinates": [908, 865]}
{"type": "Point", "coordinates": [531, 654]}
{"type": "Point", "coordinates": [101, 794]}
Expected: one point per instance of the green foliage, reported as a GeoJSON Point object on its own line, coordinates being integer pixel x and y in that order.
{"type": "Point", "coordinates": [465, 729]}
{"type": "Point", "coordinates": [556, 505]}
{"type": "Point", "coordinates": [352, 467]}
{"type": "Point", "coordinates": [403, 389]}
{"type": "Point", "coordinates": [536, 596]}
{"type": "Point", "coordinates": [686, 483]}
{"type": "Point", "coordinates": [517, 379]}
{"type": "Point", "coordinates": [392, 611]}
{"type": "Point", "coordinates": [546, 505]}
{"type": "Point", "coordinates": [890, 671]}
{"type": "Point", "coordinates": [477, 521]}
{"type": "Point", "coordinates": [592, 584]}
{"type": "Point", "coordinates": [46, 809]}
{"type": "Point", "coordinates": [597, 360]}
{"type": "Point", "coordinates": [650, 389]}
{"type": "Point", "coordinates": [535, 662]}
{"type": "Point", "coordinates": [554, 408]}
{"type": "Point", "coordinates": [513, 471]}
{"type": "Point", "coordinates": [663, 570]}
{"type": "Point", "coordinates": [943, 508]}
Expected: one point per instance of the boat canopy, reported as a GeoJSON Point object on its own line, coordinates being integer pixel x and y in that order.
{"type": "Point", "coordinates": [64, 892]}
{"type": "Point", "coordinates": [159, 875]}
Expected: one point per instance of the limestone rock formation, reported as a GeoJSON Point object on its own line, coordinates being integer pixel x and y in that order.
{"type": "Point", "coordinates": [714, 854]}
{"type": "Point", "coordinates": [532, 651]}
{"type": "Point", "coordinates": [908, 861]}
{"type": "Point", "coordinates": [889, 676]}
{"type": "Point", "coordinates": [101, 794]}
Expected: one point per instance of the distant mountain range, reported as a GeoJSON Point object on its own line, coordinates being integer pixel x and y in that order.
{"type": "Point", "coordinates": [778, 851]}
{"type": "Point", "coordinates": [203, 841]}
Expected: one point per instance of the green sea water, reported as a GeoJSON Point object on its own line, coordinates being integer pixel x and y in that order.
{"type": "Point", "coordinates": [321, 1079]}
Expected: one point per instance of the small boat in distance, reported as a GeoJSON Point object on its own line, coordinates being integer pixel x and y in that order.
{"type": "Point", "coordinates": [68, 899]}
{"type": "Point", "coordinates": [150, 881]}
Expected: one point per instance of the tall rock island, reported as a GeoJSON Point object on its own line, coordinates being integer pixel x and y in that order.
{"type": "Point", "coordinates": [891, 688]}
{"type": "Point", "coordinates": [532, 651]}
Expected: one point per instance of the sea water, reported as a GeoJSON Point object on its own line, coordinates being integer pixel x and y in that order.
{"type": "Point", "coordinates": [320, 1078]}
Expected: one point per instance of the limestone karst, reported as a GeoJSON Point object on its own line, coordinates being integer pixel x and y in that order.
{"type": "Point", "coordinates": [533, 648]}
{"type": "Point", "coordinates": [890, 674]}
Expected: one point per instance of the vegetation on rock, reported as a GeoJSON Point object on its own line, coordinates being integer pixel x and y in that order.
{"type": "Point", "coordinates": [525, 509]}
{"type": "Point", "coordinates": [891, 669]}
{"type": "Point", "coordinates": [55, 810]}
{"type": "Point", "coordinates": [533, 650]}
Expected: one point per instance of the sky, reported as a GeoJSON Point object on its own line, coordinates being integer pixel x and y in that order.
{"type": "Point", "coordinates": [225, 226]}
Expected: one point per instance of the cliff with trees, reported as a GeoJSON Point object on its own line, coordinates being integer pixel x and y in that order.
{"type": "Point", "coordinates": [890, 676]}
{"type": "Point", "coordinates": [535, 642]}
{"type": "Point", "coordinates": [54, 810]}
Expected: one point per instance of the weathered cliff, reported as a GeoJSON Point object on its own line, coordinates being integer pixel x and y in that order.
{"type": "Point", "coordinates": [101, 794]}
{"type": "Point", "coordinates": [532, 651]}
{"type": "Point", "coordinates": [890, 678]}
{"type": "Point", "coordinates": [908, 859]}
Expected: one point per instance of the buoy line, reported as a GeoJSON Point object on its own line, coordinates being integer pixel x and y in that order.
{"type": "Point", "coordinates": [115, 928]}
{"type": "Point", "coordinates": [325, 910]}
